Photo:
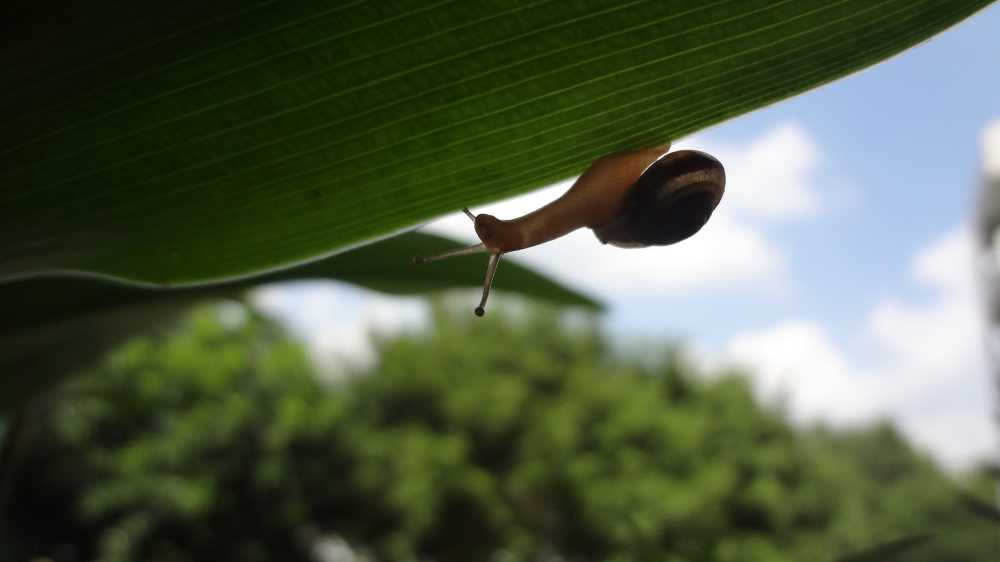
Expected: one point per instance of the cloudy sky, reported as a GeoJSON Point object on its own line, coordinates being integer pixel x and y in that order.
{"type": "Point", "coordinates": [839, 268]}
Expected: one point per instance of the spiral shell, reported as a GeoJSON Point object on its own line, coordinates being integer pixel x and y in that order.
{"type": "Point", "coordinates": [672, 199]}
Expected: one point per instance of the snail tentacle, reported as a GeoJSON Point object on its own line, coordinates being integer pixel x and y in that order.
{"type": "Point", "coordinates": [491, 271]}
{"type": "Point", "coordinates": [473, 249]}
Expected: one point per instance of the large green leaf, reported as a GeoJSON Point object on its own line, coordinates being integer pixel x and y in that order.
{"type": "Point", "coordinates": [179, 141]}
{"type": "Point", "coordinates": [53, 326]}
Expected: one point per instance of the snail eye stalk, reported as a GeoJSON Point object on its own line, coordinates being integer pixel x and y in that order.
{"type": "Point", "coordinates": [491, 268]}
{"type": "Point", "coordinates": [491, 271]}
{"type": "Point", "coordinates": [474, 249]}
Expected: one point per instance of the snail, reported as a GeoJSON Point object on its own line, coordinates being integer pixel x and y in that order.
{"type": "Point", "coordinates": [630, 199]}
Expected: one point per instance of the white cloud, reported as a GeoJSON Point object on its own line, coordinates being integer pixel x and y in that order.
{"type": "Point", "coordinates": [932, 376]}
{"type": "Point", "coordinates": [773, 177]}
{"type": "Point", "coordinates": [336, 321]}
{"type": "Point", "coordinates": [770, 178]}
{"type": "Point", "coordinates": [990, 148]}
{"type": "Point", "coordinates": [796, 360]}
{"type": "Point", "coordinates": [945, 334]}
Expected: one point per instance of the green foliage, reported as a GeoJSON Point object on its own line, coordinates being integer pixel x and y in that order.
{"type": "Point", "coordinates": [890, 550]}
{"type": "Point", "coordinates": [176, 141]}
{"type": "Point", "coordinates": [473, 439]}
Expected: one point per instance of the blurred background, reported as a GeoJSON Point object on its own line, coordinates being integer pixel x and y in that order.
{"type": "Point", "coordinates": [842, 268]}
{"type": "Point", "coordinates": [812, 374]}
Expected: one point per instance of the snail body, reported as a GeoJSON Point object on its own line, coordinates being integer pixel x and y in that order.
{"type": "Point", "coordinates": [631, 199]}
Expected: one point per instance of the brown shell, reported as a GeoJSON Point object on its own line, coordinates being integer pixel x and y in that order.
{"type": "Point", "coordinates": [672, 199]}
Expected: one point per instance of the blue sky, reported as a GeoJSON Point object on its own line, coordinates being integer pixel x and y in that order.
{"type": "Point", "coordinates": [838, 267]}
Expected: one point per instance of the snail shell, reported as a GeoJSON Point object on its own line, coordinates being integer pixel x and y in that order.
{"type": "Point", "coordinates": [672, 199]}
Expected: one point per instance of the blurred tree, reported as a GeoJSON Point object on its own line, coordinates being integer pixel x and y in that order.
{"type": "Point", "coordinates": [473, 439]}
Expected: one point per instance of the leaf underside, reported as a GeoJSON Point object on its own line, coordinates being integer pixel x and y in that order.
{"type": "Point", "coordinates": [384, 266]}
{"type": "Point", "coordinates": [177, 142]}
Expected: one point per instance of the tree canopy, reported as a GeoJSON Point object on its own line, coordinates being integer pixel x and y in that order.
{"type": "Point", "coordinates": [508, 438]}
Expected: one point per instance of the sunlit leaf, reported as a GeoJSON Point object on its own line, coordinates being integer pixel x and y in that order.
{"type": "Point", "coordinates": [183, 141]}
